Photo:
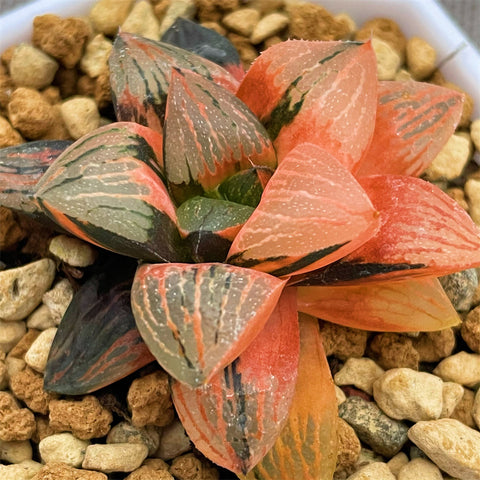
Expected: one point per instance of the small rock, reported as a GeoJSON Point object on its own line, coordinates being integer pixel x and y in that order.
{"type": "Point", "coordinates": [472, 190]}
{"type": "Point", "coordinates": [16, 451]}
{"type": "Point", "coordinates": [125, 432]}
{"type": "Point", "coordinates": [463, 411]}
{"type": "Point", "coordinates": [41, 318]}
{"type": "Point", "coordinates": [470, 330]}
{"type": "Point", "coordinates": [343, 342]}
{"type": "Point", "coordinates": [20, 471]}
{"type": "Point", "coordinates": [268, 26]}
{"type": "Point", "coordinates": [80, 115]}
{"type": "Point", "coordinates": [419, 468]}
{"type": "Point", "coordinates": [3, 372]}
{"type": "Point", "coordinates": [95, 58]}
{"type": "Point", "coordinates": [385, 435]}
{"type": "Point", "coordinates": [10, 334]}
{"type": "Point", "coordinates": [451, 160]}
{"type": "Point", "coordinates": [37, 354]}
{"type": "Point", "coordinates": [476, 408]}
{"type": "Point", "coordinates": [242, 21]}
{"type": "Point", "coordinates": [393, 350]}
{"type": "Point", "coordinates": [72, 251]}
{"type": "Point", "coordinates": [434, 346]}
{"type": "Point", "coordinates": [178, 8]}
{"type": "Point", "coordinates": [452, 395]}
{"type": "Point", "coordinates": [421, 58]}
{"type": "Point", "coordinates": [58, 299]}
{"type": "Point", "coordinates": [405, 394]}
{"type": "Point", "coordinates": [14, 365]}
{"type": "Point", "coordinates": [360, 372]}
{"type": "Point", "coordinates": [60, 471]}
{"type": "Point", "coordinates": [9, 136]}
{"type": "Point", "coordinates": [32, 68]}
{"type": "Point", "coordinates": [452, 446]}
{"type": "Point", "coordinates": [63, 448]}
{"type": "Point", "coordinates": [475, 133]}
{"type": "Point", "coordinates": [397, 462]}
{"type": "Point", "coordinates": [15, 423]}
{"type": "Point", "coordinates": [146, 472]}
{"type": "Point", "coordinates": [21, 348]}
{"type": "Point", "coordinates": [116, 457]}
{"type": "Point", "coordinates": [188, 467]}
{"type": "Point", "coordinates": [340, 394]}
{"type": "Point", "coordinates": [142, 21]}
{"type": "Point", "coordinates": [150, 401]}
{"type": "Point", "coordinates": [462, 368]}
{"type": "Point", "coordinates": [173, 442]}
{"type": "Point", "coordinates": [388, 60]}
{"type": "Point", "coordinates": [348, 447]}
{"type": "Point", "coordinates": [22, 288]}
{"type": "Point", "coordinates": [460, 288]}
{"type": "Point", "coordinates": [373, 471]}
{"type": "Point", "coordinates": [107, 15]}
{"type": "Point", "coordinates": [85, 418]}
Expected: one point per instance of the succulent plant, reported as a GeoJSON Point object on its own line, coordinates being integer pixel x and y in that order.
{"type": "Point", "coordinates": [232, 201]}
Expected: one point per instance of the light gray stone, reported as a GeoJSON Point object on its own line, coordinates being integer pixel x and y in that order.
{"type": "Point", "coordinates": [451, 445]}
{"type": "Point", "coordinates": [452, 394]}
{"type": "Point", "coordinates": [116, 457]}
{"type": "Point", "coordinates": [63, 448]}
{"type": "Point", "coordinates": [22, 288]}
{"type": "Point", "coordinates": [125, 432]}
{"type": "Point", "coordinates": [37, 355]}
{"type": "Point", "coordinates": [373, 471]}
{"type": "Point", "coordinates": [360, 372]}
{"type": "Point", "coordinates": [16, 451]}
{"type": "Point", "coordinates": [462, 368]}
{"type": "Point", "coordinates": [25, 470]}
{"type": "Point", "coordinates": [419, 468]}
{"type": "Point", "coordinates": [10, 334]}
{"type": "Point", "coordinates": [173, 442]}
{"type": "Point", "coordinates": [41, 318]}
{"type": "Point", "coordinates": [405, 394]}
{"type": "Point", "coordinates": [397, 462]}
{"type": "Point", "coordinates": [58, 299]}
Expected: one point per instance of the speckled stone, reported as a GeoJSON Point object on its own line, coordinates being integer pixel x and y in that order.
{"type": "Point", "coordinates": [384, 435]}
{"type": "Point", "coordinates": [460, 288]}
{"type": "Point", "coordinates": [373, 471]}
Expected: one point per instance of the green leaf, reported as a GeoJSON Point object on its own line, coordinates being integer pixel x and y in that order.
{"type": "Point", "coordinates": [196, 319]}
{"type": "Point", "coordinates": [209, 225]}
{"type": "Point", "coordinates": [106, 189]}
{"type": "Point", "coordinates": [140, 71]}
{"type": "Point", "coordinates": [235, 418]}
{"type": "Point", "coordinates": [97, 342]}
{"type": "Point", "coordinates": [209, 135]}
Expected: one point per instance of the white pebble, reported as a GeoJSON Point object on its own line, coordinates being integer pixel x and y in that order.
{"type": "Point", "coordinates": [452, 394]}
{"type": "Point", "coordinates": [420, 468]}
{"type": "Point", "coordinates": [142, 21]}
{"type": "Point", "coordinates": [63, 448]}
{"type": "Point", "coordinates": [397, 462]}
{"type": "Point", "coordinates": [269, 26]}
{"type": "Point", "coordinates": [95, 58]}
{"type": "Point", "coordinates": [107, 15]}
{"type": "Point", "coordinates": [25, 470]}
{"type": "Point", "coordinates": [451, 445]}
{"type": "Point", "coordinates": [475, 133]}
{"type": "Point", "coordinates": [72, 251]}
{"type": "Point", "coordinates": [10, 334]}
{"type": "Point", "coordinates": [388, 60]}
{"type": "Point", "coordinates": [373, 471]}
{"type": "Point", "coordinates": [178, 8]}
{"type": "Point", "coordinates": [58, 299]}
{"type": "Point", "coordinates": [462, 368]}
{"type": "Point", "coordinates": [405, 394]}
{"type": "Point", "coordinates": [340, 395]}
{"type": "Point", "coordinates": [41, 318]}
{"type": "Point", "coordinates": [16, 451]}
{"type": "Point", "coordinates": [360, 372]}
{"type": "Point", "coordinates": [476, 408]}
{"type": "Point", "coordinates": [80, 115]}
{"type": "Point", "coordinates": [242, 21]}
{"type": "Point", "coordinates": [117, 457]}
{"type": "Point", "coordinates": [37, 355]}
{"type": "Point", "coordinates": [22, 288]}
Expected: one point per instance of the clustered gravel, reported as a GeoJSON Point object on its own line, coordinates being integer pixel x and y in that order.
{"type": "Point", "coordinates": [409, 404]}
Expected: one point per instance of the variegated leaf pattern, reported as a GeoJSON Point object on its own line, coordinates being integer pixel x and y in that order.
{"type": "Point", "coordinates": [140, 70]}
{"type": "Point", "coordinates": [423, 232]}
{"type": "Point", "coordinates": [319, 92]}
{"type": "Point", "coordinates": [197, 318]}
{"type": "Point", "coordinates": [409, 305]}
{"type": "Point", "coordinates": [307, 446]}
{"type": "Point", "coordinates": [312, 212]}
{"type": "Point", "coordinates": [21, 167]}
{"type": "Point", "coordinates": [97, 342]}
{"type": "Point", "coordinates": [209, 135]}
{"type": "Point", "coordinates": [414, 121]}
{"type": "Point", "coordinates": [235, 418]}
{"type": "Point", "coordinates": [209, 225]}
{"type": "Point", "coordinates": [106, 189]}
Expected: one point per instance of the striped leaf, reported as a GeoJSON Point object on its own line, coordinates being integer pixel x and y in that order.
{"type": "Point", "coordinates": [205, 42]}
{"type": "Point", "coordinates": [140, 71]}
{"type": "Point", "coordinates": [319, 92]}
{"type": "Point", "coordinates": [399, 306]}
{"type": "Point", "coordinates": [307, 446]}
{"type": "Point", "coordinates": [106, 189]}
{"type": "Point", "coordinates": [235, 418]}
{"type": "Point", "coordinates": [414, 121]}
{"type": "Point", "coordinates": [423, 232]}
{"type": "Point", "coordinates": [197, 318]}
{"type": "Point", "coordinates": [97, 342]}
{"type": "Point", "coordinates": [209, 226]}
{"type": "Point", "coordinates": [209, 135]}
{"type": "Point", "coordinates": [312, 212]}
{"type": "Point", "coordinates": [21, 167]}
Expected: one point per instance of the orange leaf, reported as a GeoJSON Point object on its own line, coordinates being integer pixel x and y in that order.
{"type": "Point", "coordinates": [397, 306]}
